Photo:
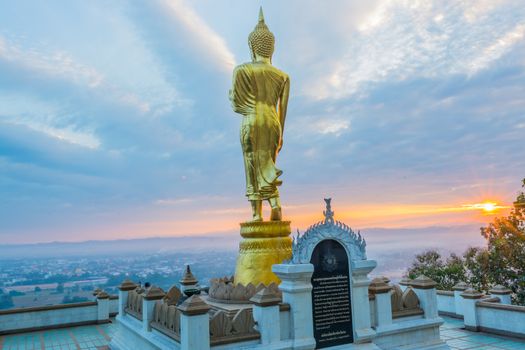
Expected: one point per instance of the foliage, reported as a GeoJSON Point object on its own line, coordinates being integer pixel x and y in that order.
{"type": "Point", "coordinates": [476, 263]}
{"type": "Point", "coordinates": [501, 262]}
{"type": "Point", "coordinates": [506, 249]}
{"type": "Point", "coordinates": [431, 264]}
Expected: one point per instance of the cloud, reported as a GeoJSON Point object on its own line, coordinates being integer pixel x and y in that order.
{"type": "Point", "coordinates": [332, 126]}
{"type": "Point", "coordinates": [57, 64]}
{"type": "Point", "coordinates": [402, 40]}
{"type": "Point", "coordinates": [203, 36]}
{"type": "Point", "coordinates": [46, 118]}
{"type": "Point", "coordinates": [407, 102]}
{"type": "Point", "coordinates": [497, 49]}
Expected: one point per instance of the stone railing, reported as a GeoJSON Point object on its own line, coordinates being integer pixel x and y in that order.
{"type": "Point", "coordinates": [404, 303]}
{"type": "Point", "coordinates": [29, 319]}
{"type": "Point", "coordinates": [225, 329]}
{"type": "Point", "coordinates": [491, 313]}
{"type": "Point", "coordinates": [405, 315]}
{"type": "Point", "coordinates": [224, 290]}
{"type": "Point", "coordinates": [134, 303]}
{"type": "Point", "coordinates": [166, 320]}
{"type": "Point", "coordinates": [171, 321]}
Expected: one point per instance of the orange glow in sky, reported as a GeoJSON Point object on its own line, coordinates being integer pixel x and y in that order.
{"type": "Point", "coordinates": [488, 207]}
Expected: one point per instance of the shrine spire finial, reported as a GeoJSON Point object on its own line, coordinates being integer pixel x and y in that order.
{"type": "Point", "coordinates": [328, 213]}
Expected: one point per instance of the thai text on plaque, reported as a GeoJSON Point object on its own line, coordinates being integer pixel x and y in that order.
{"type": "Point", "coordinates": [331, 306]}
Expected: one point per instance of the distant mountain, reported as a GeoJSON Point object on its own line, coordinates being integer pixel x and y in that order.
{"type": "Point", "coordinates": [380, 241]}
{"type": "Point", "coordinates": [120, 247]}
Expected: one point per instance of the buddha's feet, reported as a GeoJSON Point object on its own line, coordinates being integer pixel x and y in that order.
{"type": "Point", "coordinates": [276, 214]}
{"type": "Point", "coordinates": [257, 218]}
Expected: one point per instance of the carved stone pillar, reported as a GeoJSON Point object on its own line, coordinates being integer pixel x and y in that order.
{"type": "Point", "coordinates": [123, 291]}
{"type": "Point", "coordinates": [266, 314]}
{"type": "Point", "coordinates": [458, 300]}
{"type": "Point", "coordinates": [297, 288]}
{"type": "Point", "coordinates": [470, 317]}
{"type": "Point", "coordinates": [148, 305]}
{"type": "Point", "coordinates": [383, 309]}
{"type": "Point", "coordinates": [102, 307]}
{"type": "Point", "coordinates": [194, 324]}
{"type": "Point", "coordinates": [425, 289]}
{"type": "Point", "coordinates": [360, 302]}
{"type": "Point", "coordinates": [502, 293]}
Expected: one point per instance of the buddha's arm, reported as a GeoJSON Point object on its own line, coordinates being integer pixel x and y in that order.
{"type": "Point", "coordinates": [283, 103]}
{"type": "Point", "coordinates": [240, 94]}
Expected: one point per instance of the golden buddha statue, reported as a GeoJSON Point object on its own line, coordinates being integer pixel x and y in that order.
{"type": "Point", "coordinates": [260, 93]}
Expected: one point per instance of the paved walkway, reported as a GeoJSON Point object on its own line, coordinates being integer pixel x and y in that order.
{"type": "Point", "coordinates": [84, 337]}
{"type": "Point", "coordinates": [458, 338]}
{"type": "Point", "coordinates": [98, 337]}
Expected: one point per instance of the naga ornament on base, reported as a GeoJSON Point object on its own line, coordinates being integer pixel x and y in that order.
{"type": "Point", "coordinates": [260, 94]}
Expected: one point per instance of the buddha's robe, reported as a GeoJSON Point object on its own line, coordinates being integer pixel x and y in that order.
{"type": "Point", "coordinates": [260, 94]}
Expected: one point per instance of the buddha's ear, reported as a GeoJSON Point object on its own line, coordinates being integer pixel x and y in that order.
{"type": "Point", "coordinates": [252, 52]}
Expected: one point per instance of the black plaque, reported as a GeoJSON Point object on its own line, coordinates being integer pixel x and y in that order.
{"type": "Point", "coordinates": [331, 305]}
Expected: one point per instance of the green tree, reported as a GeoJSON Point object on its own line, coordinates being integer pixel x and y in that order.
{"type": "Point", "coordinates": [506, 249]}
{"type": "Point", "coordinates": [446, 273]}
{"type": "Point", "coordinates": [501, 262]}
{"type": "Point", "coordinates": [477, 268]}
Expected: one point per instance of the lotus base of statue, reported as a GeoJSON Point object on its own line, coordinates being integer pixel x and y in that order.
{"type": "Point", "coordinates": [264, 244]}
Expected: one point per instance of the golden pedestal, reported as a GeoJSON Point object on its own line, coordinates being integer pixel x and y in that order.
{"type": "Point", "coordinates": [264, 244]}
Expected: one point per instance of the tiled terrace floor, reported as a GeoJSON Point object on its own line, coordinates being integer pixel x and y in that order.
{"type": "Point", "coordinates": [74, 338]}
{"type": "Point", "coordinates": [458, 338]}
{"type": "Point", "coordinates": [97, 338]}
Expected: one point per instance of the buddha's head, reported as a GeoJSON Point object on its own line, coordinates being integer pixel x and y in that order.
{"type": "Point", "coordinates": [261, 40]}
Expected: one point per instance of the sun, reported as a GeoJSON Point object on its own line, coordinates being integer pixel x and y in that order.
{"type": "Point", "coordinates": [489, 207]}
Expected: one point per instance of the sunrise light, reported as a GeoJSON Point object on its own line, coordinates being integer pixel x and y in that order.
{"type": "Point", "coordinates": [487, 207]}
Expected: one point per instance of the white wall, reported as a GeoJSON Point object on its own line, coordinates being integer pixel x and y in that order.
{"type": "Point", "coordinates": [43, 317]}
{"type": "Point", "coordinates": [446, 302]}
{"type": "Point", "coordinates": [505, 318]}
{"type": "Point", "coordinates": [284, 319]}
{"type": "Point", "coordinates": [113, 306]}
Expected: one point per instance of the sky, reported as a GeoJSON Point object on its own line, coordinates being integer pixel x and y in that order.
{"type": "Point", "coordinates": [115, 120]}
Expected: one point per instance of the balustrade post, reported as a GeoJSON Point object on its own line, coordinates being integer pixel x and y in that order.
{"type": "Point", "coordinates": [148, 305]}
{"type": "Point", "coordinates": [194, 324]}
{"type": "Point", "coordinates": [383, 309]}
{"type": "Point", "coordinates": [425, 289]}
{"type": "Point", "coordinates": [266, 315]}
{"type": "Point", "coordinates": [404, 283]}
{"type": "Point", "coordinates": [470, 316]}
{"type": "Point", "coordinates": [502, 293]}
{"type": "Point", "coordinates": [458, 299]}
{"type": "Point", "coordinates": [297, 288]}
{"type": "Point", "coordinates": [123, 291]}
{"type": "Point", "coordinates": [102, 307]}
